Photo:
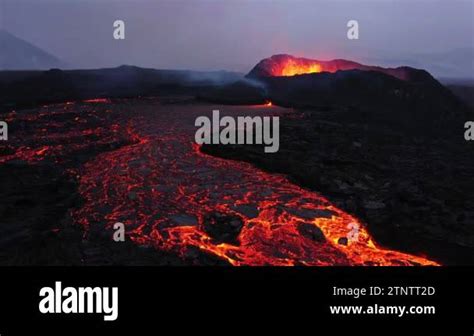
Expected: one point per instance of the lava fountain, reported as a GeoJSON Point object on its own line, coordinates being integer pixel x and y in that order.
{"type": "Point", "coordinates": [292, 67]}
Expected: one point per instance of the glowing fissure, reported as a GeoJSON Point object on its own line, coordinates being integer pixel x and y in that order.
{"type": "Point", "coordinates": [165, 190]}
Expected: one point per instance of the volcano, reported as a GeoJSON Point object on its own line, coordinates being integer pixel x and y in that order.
{"type": "Point", "coordinates": [403, 95]}
{"type": "Point", "coordinates": [287, 65]}
{"type": "Point", "coordinates": [18, 54]}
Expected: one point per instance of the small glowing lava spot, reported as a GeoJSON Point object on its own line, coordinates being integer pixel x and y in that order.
{"type": "Point", "coordinates": [42, 151]}
{"type": "Point", "coordinates": [96, 101]}
{"type": "Point", "coordinates": [268, 103]}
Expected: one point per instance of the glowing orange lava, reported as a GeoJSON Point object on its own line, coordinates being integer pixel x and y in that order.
{"type": "Point", "coordinates": [293, 67]}
{"type": "Point", "coordinates": [160, 185]}
{"type": "Point", "coordinates": [288, 65]}
{"type": "Point", "coordinates": [97, 101]}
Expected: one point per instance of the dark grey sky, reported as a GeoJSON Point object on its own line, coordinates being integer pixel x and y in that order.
{"type": "Point", "coordinates": [235, 34]}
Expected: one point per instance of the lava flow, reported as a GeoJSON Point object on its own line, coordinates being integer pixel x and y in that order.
{"type": "Point", "coordinates": [174, 198]}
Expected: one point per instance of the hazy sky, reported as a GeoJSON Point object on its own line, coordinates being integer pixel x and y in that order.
{"type": "Point", "coordinates": [235, 34]}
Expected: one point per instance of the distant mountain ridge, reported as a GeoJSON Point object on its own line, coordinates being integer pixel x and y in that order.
{"type": "Point", "coordinates": [31, 88]}
{"type": "Point", "coordinates": [18, 54]}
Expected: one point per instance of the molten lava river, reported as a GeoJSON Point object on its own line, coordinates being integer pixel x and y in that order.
{"type": "Point", "coordinates": [153, 178]}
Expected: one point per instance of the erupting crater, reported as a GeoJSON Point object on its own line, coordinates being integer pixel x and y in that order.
{"type": "Point", "coordinates": [286, 65]}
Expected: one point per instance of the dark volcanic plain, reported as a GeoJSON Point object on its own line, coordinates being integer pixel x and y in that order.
{"type": "Point", "coordinates": [402, 168]}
